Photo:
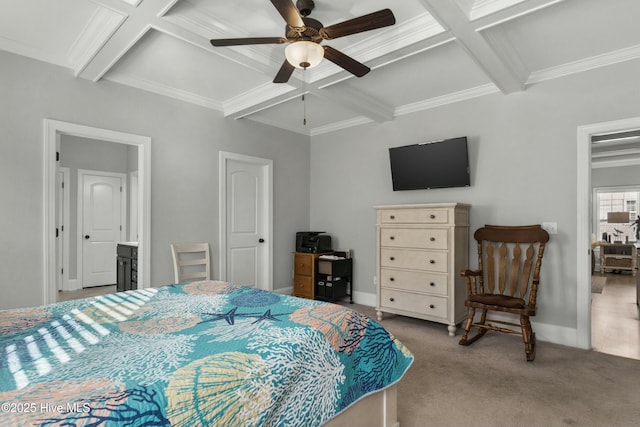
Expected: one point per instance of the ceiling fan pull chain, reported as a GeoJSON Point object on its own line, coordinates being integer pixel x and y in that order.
{"type": "Point", "coordinates": [304, 107]}
{"type": "Point", "coordinates": [304, 103]}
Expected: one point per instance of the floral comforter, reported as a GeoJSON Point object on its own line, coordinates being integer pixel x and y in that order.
{"type": "Point", "coordinates": [204, 353]}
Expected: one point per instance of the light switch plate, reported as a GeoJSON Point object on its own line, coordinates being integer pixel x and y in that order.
{"type": "Point", "coordinates": [551, 227]}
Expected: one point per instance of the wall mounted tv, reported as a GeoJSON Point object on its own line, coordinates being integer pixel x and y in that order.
{"type": "Point", "coordinates": [437, 164]}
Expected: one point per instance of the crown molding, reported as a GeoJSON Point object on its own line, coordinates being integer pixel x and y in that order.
{"type": "Point", "coordinates": [358, 102]}
{"type": "Point", "coordinates": [259, 98]}
{"type": "Point", "coordinates": [449, 98]}
{"type": "Point", "coordinates": [165, 90]}
{"type": "Point", "coordinates": [280, 125]}
{"type": "Point", "coordinates": [101, 26]}
{"type": "Point", "coordinates": [25, 50]}
{"type": "Point", "coordinates": [482, 8]}
{"type": "Point", "coordinates": [200, 23]}
{"type": "Point", "coordinates": [598, 61]}
{"type": "Point", "coordinates": [489, 13]}
{"type": "Point", "coordinates": [344, 124]}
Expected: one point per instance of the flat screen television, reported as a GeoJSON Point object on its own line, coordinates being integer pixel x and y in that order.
{"type": "Point", "coordinates": [438, 164]}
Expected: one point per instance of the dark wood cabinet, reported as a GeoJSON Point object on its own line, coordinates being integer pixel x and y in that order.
{"type": "Point", "coordinates": [127, 267]}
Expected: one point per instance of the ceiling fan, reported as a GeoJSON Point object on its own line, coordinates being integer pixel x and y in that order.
{"type": "Point", "coordinates": [304, 36]}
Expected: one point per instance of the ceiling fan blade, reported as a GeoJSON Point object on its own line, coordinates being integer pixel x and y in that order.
{"type": "Point", "coordinates": [248, 40]}
{"type": "Point", "coordinates": [284, 73]}
{"type": "Point", "coordinates": [289, 12]}
{"type": "Point", "coordinates": [379, 19]}
{"type": "Point", "coordinates": [348, 63]}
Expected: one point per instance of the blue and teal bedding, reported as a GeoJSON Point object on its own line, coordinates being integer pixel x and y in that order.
{"type": "Point", "coordinates": [204, 353]}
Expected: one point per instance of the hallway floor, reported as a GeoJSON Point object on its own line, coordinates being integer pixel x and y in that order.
{"type": "Point", "coordinates": [615, 324]}
{"type": "Point", "coordinates": [86, 293]}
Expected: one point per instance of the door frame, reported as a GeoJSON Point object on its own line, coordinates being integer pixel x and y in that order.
{"type": "Point", "coordinates": [62, 198]}
{"type": "Point", "coordinates": [267, 164]}
{"type": "Point", "coordinates": [52, 131]}
{"type": "Point", "coordinates": [584, 222]}
{"type": "Point", "coordinates": [80, 215]}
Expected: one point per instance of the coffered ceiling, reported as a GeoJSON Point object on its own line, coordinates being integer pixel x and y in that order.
{"type": "Point", "coordinates": [438, 52]}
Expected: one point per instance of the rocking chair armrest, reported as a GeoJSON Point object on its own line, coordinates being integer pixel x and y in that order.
{"type": "Point", "coordinates": [470, 273]}
{"type": "Point", "coordinates": [471, 277]}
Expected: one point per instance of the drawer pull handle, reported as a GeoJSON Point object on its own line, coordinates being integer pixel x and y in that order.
{"type": "Point", "coordinates": [392, 217]}
{"type": "Point", "coordinates": [432, 284]}
{"type": "Point", "coordinates": [392, 258]}
{"type": "Point", "coordinates": [391, 299]}
{"type": "Point", "coordinates": [433, 239]}
{"type": "Point", "coordinates": [432, 216]}
{"type": "Point", "coordinates": [432, 306]}
{"type": "Point", "coordinates": [431, 261]}
{"type": "Point", "coordinates": [392, 279]}
{"type": "Point", "coordinates": [391, 237]}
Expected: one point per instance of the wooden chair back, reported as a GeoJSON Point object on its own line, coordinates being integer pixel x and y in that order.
{"type": "Point", "coordinates": [510, 257]}
{"type": "Point", "coordinates": [191, 261]}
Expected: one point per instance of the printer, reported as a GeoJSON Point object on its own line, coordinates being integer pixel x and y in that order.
{"type": "Point", "coordinates": [313, 242]}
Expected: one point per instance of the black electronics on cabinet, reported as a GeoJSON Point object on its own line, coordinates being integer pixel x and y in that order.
{"type": "Point", "coordinates": [313, 242]}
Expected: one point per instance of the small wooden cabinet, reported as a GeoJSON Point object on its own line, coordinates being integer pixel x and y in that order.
{"type": "Point", "coordinates": [421, 251]}
{"type": "Point", "coordinates": [304, 274]}
{"type": "Point", "coordinates": [127, 267]}
{"type": "Point", "coordinates": [618, 256]}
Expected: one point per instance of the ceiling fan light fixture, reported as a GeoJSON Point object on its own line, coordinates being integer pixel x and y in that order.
{"type": "Point", "coordinates": [304, 54]}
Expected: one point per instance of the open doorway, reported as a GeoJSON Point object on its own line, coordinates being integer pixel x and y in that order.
{"type": "Point", "coordinates": [615, 177]}
{"type": "Point", "coordinates": [589, 157]}
{"type": "Point", "coordinates": [54, 131]}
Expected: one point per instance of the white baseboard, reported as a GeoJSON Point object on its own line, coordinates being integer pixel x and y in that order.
{"type": "Point", "coordinates": [365, 298]}
{"type": "Point", "coordinates": [544, 332]}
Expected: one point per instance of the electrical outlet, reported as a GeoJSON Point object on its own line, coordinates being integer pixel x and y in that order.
{"type": "Point", "coordinates": [375, 280]}
{"type": "Point", "coordinates": [550, 227]}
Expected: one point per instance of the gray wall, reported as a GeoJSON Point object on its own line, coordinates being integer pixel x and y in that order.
{"type": "Point", "coordinates": [186, 140]}
{"type": "Point", "coordinates": [81, 153]}
{"type": "Point", "coordinates": [523, 171]}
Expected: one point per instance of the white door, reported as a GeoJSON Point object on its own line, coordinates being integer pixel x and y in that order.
{"type": "Point", "coordinates": [102, 209]}
{"type": "Point", "coordinates": [247, 218]}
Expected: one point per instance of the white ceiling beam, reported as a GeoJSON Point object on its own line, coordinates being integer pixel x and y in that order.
{"type": "Point", "coordinates": [259, 99]}
{"type": "Point", "coordinates": [139, 20]}
{"type": "Point", "coordinates": [271, 95]}
{"type": "Point", "coordinates": [451, 17]}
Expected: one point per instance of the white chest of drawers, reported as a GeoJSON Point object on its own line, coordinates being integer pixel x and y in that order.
{"type": "Point", "coordinates": [421, 250]}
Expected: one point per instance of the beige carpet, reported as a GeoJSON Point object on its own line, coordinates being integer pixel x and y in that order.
{"type": "Point", "coordinates": [490, 383]}
{"type": "Point", "coordinates": [597, 284]}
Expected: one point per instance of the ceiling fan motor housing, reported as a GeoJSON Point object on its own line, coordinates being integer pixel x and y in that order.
{"type": "Point", "coordinates": [305, 7]}
{"type": "Point", "coordinates": [310, 31]}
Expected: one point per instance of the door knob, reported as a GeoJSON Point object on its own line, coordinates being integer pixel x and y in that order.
{"type": "Point", "coordinates": [86, 236]}
{"type": "Point", "coordinates": [261, 240]}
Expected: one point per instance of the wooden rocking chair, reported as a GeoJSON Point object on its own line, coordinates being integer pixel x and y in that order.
{"type": "Point", "coordinates": [507, 279]}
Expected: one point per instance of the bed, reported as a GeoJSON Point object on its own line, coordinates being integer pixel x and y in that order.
{"type": "Point", "coordinates": [204, 353]}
